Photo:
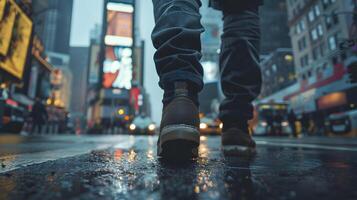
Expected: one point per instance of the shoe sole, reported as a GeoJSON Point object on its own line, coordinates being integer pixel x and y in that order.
{"type": "Point", "coordinates": [238, 150]}
{"type": "Point", "coordinates": [179, 142]}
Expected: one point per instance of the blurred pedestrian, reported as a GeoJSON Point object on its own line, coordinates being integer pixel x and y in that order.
{"type": "Point", "coordinates": [39, 116]}
{"type": "Point", "coordinates": [270, 123]}
{"type": "Point", "coordinates": [278, 120]}
{"type": "Point", "coordinates": [320, 122]}
{"type": "Point", "coordinates": [305, 122]}
{"type": "Point", "coordinates": [176, 37]}
{"type": "Point", "coordinates": [292, 122]}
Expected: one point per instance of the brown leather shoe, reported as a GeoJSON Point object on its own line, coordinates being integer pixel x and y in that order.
{"type": "Point", "coordinates": [236, 142]}
{"type": "Point", "coordinates": [179, 131]}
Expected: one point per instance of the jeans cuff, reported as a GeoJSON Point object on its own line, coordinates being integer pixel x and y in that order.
{"type": "Point", "coordinates": [170, 95]}
{"type": "Point", "coordinates": [233, 116]}
{"type": "Point", "coordinates": [195, 82]}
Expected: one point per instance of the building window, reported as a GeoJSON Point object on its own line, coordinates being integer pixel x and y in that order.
{"type": "Point", "coordinates": [302, 24]}
{"type": "Point", "coordinates": [300, 27]}
{"type": "Point", "coordinates": [335, 17]}
{"type": "Point", "coordinates": [311, 16]}
{"type": "Point", "coordinates": [274, 67]}
{"type": "Point", "coordinates": [332, 42]}
{"type": "Point", "coordinates": [317, 10]}
{"type": "Point", "coordinates": [302, 43]}
{"type": "Point", "coordinates": [267, 73]}
{"type": "Point", "coordinates": [314, 35]}
{"type": "Point", "coordinates": [328, 21]}
{"type": "Point", "coordinates": [315, 53]}
{"type": "Point", "coordinates": [327, 3]}
{"type": "Point", "coordinates": [320, 30]}
{"type": "Point", "coordinates": [304, 61]}
{"type": "Point", "coordinates": [309, 74]}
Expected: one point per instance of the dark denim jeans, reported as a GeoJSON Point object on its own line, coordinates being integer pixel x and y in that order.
{"type": "Point", "coordinates": [176, 37]}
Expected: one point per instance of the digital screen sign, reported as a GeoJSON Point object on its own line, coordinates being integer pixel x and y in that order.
{"type": "Point", "coordinates": [118, 67]}
{"type": "Point", "coordinates": [118, 61]}
{"type": "Point", "coordinates": [15, 59]}
{"type": "Point", "coordinates": [119, 24]}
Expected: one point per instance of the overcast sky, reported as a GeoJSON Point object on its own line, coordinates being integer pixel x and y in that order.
{"type": "Point", "coordinates": [86, 13]}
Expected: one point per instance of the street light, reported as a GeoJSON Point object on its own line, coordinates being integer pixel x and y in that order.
{"type": "Point", "coordinates": [121, 111]}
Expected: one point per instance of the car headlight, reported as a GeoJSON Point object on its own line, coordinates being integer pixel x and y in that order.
{"type": "Point", "coordinates": [203, 126]}
{"type": "Point", "coordinates": [284, 123]}
{"type": "Point", "coordinates": [151, 127]}
{"type": "Point", "coordinates": [221, 125]}
{"type": "Point", "coordinates": [132, 127]}
{"type": "Point", "coordinates": [264, 123]}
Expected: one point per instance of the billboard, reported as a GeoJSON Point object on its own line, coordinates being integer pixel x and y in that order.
{"type": "Point", "coordinates": [118, 67]}
{"type": "Point", "coordinates": [119, 24]}
{"type": "Point", "coordinates": [332, 100]}
{"type": "Point", "coordinates": [15, 59]}
{"type": "Point", "coordinates": [6, 27]}
{"type": "Point", "coordinates": [118, 61]}
{"type": "Point", "coordinates": [2, 8]}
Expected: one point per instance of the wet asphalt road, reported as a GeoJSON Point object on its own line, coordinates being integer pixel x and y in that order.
{"type": "Point", "coordinates": [126, 167]}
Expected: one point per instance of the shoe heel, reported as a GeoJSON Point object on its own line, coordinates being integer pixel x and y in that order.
{"type": "Point", "coordinates": [179, 142]}
{"type": "Point", "coordinates": [178, 150]}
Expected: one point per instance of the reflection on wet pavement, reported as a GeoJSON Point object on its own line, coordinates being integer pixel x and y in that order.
{"type": "Point", "coordinates": [136, 173]}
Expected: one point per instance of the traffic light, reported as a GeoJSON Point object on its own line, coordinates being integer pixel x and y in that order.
{"type": "Point", "coordinates": [352, 73]}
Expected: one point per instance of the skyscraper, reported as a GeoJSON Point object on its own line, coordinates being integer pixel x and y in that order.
{"type": "Point", "coordinates": [274, 26]}
{"type": "Point", "coordinates": [79, 68]}
{"type": "Point", "coordinates": [57, 26]}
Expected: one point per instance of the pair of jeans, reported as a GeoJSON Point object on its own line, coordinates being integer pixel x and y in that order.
{"type": "Point", "coordinates": [176, 37]}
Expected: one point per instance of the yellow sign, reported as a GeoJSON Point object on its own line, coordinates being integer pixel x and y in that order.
{"type": "Point", "coordinates": [2, 8]}
{"type": "Point", "coordinates": [15, 60]}
{"type": "Point", "coordinates": [6, 29]}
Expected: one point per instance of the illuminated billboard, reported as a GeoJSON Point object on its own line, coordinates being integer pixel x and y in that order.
{"type": "Point", "coordinates": [6, 27]}
{"type": "Point", "coordinates": [118, 61]}
{"type": "Point", "coordinates": [15, 59]}
{"type": "Point", "coordinates": [2, 8]}
{"type": "Point", "coordinates": [119, 24]}
{"type": "Point", "coordinates": [118, 67]}
{"type": "Point", "coordinates": [332, 100]}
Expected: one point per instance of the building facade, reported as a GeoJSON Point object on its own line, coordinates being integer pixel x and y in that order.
{"type": "Point", "coordinates": [277, 71]}
{"type": "Point", "coordinates": [317, 30]}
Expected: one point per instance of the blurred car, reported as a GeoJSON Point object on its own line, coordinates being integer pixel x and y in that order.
{"type": "Point", "coordinates": [142, 125]}
{"type": "Point", "coordinates": [344, 123]}
{"type": "Point", "coordinates": [210, 126]}
{"type": "Point", "coordinates": [271, 119]}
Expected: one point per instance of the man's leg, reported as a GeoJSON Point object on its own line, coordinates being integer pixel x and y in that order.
{"type": "Point", "coordinates": [176, 37]}
{"type": "Point", "coordinates": [240, 72]}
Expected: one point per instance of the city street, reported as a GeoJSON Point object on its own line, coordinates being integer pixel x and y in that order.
{"type": "Point", "coordinates": [126, 167]}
